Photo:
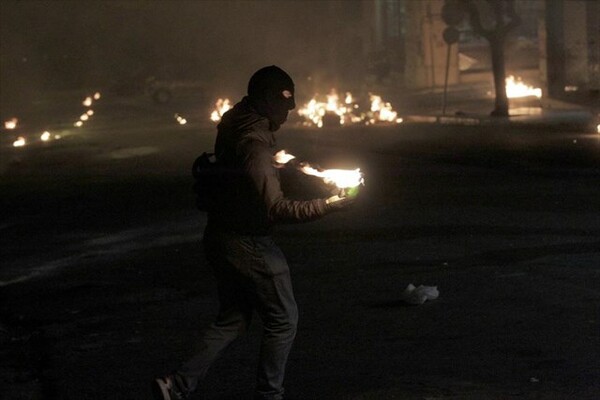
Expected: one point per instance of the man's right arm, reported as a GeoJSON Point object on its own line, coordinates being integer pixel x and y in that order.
{"type": "Point", "coordinates": [264, 176]}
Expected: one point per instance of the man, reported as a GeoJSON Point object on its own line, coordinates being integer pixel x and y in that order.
{"type": "Point", "coordinates": [251, 271]}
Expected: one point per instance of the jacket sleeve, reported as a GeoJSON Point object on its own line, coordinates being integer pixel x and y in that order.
{"type": "Point", "coordinates": [258, 165]}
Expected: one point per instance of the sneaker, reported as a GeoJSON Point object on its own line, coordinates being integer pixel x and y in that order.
{"type": "Point", "coordinates": [164, 388]}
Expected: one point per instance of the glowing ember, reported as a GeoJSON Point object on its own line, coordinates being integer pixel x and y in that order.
{"type": "Point", "coordinates": [342, 178]}
{"type": "Point", "coordinates": [20, 142]}
{"type": "Point", "coordinates": [11, 123]}
{"type": "Point", "coordinates": [180, 119]}
{"type": "Point", "coordinates": [45, 136]}
{"type": "Point", "coordinates": [281, 157]}
{"type": "Point", "coordinates": [221, 107]}
{"type": "Point", "coordinates": [97, 96]}
{"type": "Point", "coordinates": [78, 124]}
{"type": "Point", "coordinates": [515, 88]}
{"type": "Point", "coordinates": [87, 102]}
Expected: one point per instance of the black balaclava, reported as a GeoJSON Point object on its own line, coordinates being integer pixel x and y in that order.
{"type": "Point", "coordinates": [265, 92]}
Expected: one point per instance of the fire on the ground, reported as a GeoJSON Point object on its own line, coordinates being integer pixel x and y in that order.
{"type": "Point", "coordinates": [347, 111]}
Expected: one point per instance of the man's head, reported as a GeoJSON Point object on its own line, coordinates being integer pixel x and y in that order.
{"type": "Point", "coordinates": [271, 92]}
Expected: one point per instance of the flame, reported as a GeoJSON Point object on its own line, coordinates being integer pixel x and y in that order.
{"type": "Point", "coordinates": [20, 142]}
{"type": "Point", "coordinates": [45, 136]}
{"type": "Point", "coordinates": [281, 157]}
{"type": "Point", "coordinates": [221, 107]}
{"type": "Point", "coordinates": [382, 111]}
{"type": "Point", "coordinates": [314, 110]}
{"type": "Point", "coordinates": [11, 123]}
{"type": "Point", "coordinates": [348, 99]}
{"type": "Point", "coordinates": [515, 88]}
{"type": "Point", "coordinates": [342, 178]}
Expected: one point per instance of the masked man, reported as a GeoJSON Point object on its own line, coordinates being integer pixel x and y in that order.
{"type": "Point", "coordinates": [251, 271]}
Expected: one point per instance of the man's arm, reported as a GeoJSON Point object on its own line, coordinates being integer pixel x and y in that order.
{"type": "Point", "coordinates": [259, 167]}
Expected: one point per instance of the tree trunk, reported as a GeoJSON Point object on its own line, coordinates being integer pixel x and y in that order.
{"type": "Point", "coordinates": [499, 70]}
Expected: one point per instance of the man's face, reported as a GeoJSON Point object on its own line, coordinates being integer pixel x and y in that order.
{"type": "Point", "coordinates": [280, 113]}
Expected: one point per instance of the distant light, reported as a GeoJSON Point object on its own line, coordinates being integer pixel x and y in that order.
{"type": "Point", "coordinates": [87, 102]}
{"type": "Point", "coordinates": [57, 137]}
{"type": "Point", "coordinates": [11, 123]}
{"type": "Point", "coordinates": [180, 119]}
{"type": "Point", "coordinates": [45, 136]}
{"type": "Point", "coordinates": [598, 128]}
{"type": "Point", "coordinates": [97, 96]}
{"type": "Point", "coordinates": [78, 124]}
{"type": "Point", "coordinates": [571, 88]}
{"type": "Point", "coordinates": [84, 117]}
{"type": "Point", "coordinates": [90, 112]}
{"type": "Point", "coordinates": [20, 142]}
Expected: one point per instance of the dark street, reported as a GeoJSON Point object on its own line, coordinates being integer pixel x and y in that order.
{"type": "Point", "coordinates": [475, 125]}
{"type": "Point", "coordinates": [104, 283]}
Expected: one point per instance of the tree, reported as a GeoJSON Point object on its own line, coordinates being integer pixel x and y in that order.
{"type": "Point", "coordinates": [504, 18]}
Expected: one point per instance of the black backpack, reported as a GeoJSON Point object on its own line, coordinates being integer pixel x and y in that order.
{"type": "Point", "coordinates": [208, 182]}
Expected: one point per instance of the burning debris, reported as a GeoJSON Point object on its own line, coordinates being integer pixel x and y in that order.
{"type": "Point", "coordinates": [221, 107]}
{"type": "Point", "coordinates": [515, 88]}
{"type": "Point", "coordinates": [382, 111]}
{"type": "Point", "coordinates": [20, 142]}
{"type": "Point", "coordinates": [341, 178]}
{"type": "Point", "coordinates": [347, 112]}
{"type": "Point", "coordinates": [87, 102]}
{"type": "Point", "coordinates": [11, 124]}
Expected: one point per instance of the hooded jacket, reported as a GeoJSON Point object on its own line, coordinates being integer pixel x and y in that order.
{"type": "Point", "coordinates": [252, 199]}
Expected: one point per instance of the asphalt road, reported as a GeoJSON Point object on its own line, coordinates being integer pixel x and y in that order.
{"type": "Point", "coordinates": [103, 283]}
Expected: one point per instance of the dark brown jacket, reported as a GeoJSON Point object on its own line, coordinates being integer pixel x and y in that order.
{"type": "Point", "coordinates": [252, 200]}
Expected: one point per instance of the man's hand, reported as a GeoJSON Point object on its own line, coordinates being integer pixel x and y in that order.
{"type": "Point", "coordinates": [343, 199]}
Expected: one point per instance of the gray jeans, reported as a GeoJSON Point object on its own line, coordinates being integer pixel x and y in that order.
{"type": "Point", "coordinates": [252, 275]}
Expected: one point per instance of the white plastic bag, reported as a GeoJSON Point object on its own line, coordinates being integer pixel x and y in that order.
{"type": "Point", "coordinates": [419, 295]}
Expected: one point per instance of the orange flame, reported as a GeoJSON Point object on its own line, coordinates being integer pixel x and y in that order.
{"type": "Point", "coordinates": [221, 107]}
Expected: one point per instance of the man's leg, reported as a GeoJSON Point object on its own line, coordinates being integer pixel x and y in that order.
{"type": "Point", "coordinates": [277, 308]}
{"type": "Point", "coordinates": [235, 309]}
{"type": "Point", "coordinates": [233, 320]}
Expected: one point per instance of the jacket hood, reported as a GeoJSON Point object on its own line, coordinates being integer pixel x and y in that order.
{"type": "Point", "coordinates": [243, 122]}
